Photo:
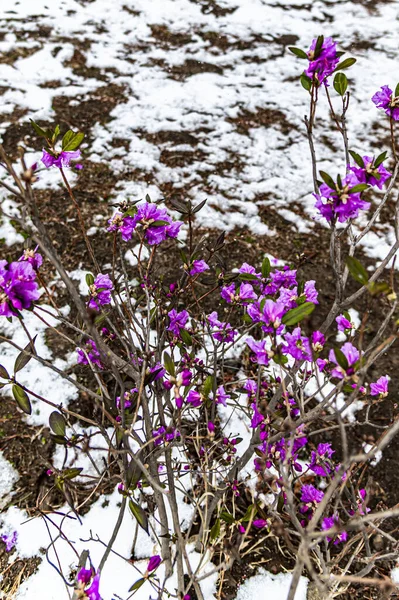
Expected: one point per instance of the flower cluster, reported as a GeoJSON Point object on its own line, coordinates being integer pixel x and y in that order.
{"type": "Point", "coordinates": [386, 100]}
{"type": "Point", "coordinates": [155, 222]}
{"type": "Point", "coordinates": [84, 577]}
{"type": "Point", "coordinates": [59, 159]}
{"type": "Point", "coordinates": [18, 287]}
{"type": "Point", "coordinates": [343, 201]}
{"type": "Point", "coordinates": [323, 59]}
{"type": "Point", "coordinates": [100, 292]}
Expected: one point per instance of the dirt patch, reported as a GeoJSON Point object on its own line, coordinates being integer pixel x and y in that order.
{"type": "Point", "coordinates": [212, 7]}
{"type": "Point", "coordinates": [262, 117]}
{"type": "Point", "coordinates": [193, 67]}
{"type": "Point", "coordinates": [167, 38]}
{"type": "Point", "coordinates": [84, 113]}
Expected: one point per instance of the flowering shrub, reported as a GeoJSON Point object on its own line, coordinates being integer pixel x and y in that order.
{"type": "Point", "coordinates": [160, 383]}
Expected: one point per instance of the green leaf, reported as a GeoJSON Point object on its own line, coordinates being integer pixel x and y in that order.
{"type": "Point", "coordinates": [396, 91]}
{"type": "Point", "coordinates": [360, 187]}
{"type": "Point", "coordinates": [22, 399]}
{"type": "Point", "coordinates": [68, 137]}
{"type": "Point", "coordinates": [57, 423]}
{"type": "Point", "coordinates": [328, 180]}
{"type": "Point", "coordinates": [380, 159]}
{"type": "Point", "coordinates": [159, 223]}
{"type": "Point", "coordinates": [306, 82]}
{"type": "Point", "coordinates": [89, 279]}
{"type": "Point", "coordinates": [357, 270]}
{"type": "Point", "coordinates": [298, 52]}
{"type": "Point", "coordinates": [71, 141]}
{"type": "Point", "coordinates": [199, 206]}
{"type": "Point", "coordinates": [215, 531]}
{"type": "Point", "coordinates": [248, 277]}
{"type": "Point", "coordinates": [250, 512]}
{"type": "Point", "coordinates": [280, 359]}
{"type": "Point", "coordinates": [139, 514]}
{"type": "Point", "coordinates": [345, 64]}
{"type": "Point", "coordinates": [340, 83]}
{"type": "Point", "coordinates": [227, 517]}
{"type": "Point", "coordinates": [293, 316]}
{"type": "Point", "coordinates": [208, 385]}
{"type": "Point", "coordinates": [186, 337]}
{"type": "Point", "coordinates": [55, 134]}
{"type": "Point", "coordinates": [58, 439]}
{"type": "Point", "coordinates": [379, 287]}
{"type": "Point", "coordinates": [133, 474]}
{"type": "Point", "coordinates": [319, 45]}
{"type": "Point", "coordinates": [4, 373]}
{"type": "Point", "coordinates": [38, 129]}
{"type": "Point", "coordinates": [169, 364]}
{"type": "Point", "coordinates": [136, 586]}
{"type": "Point", "coordinates": [71, 473]}
{"type": "Point", "coordinates": [341, 358]}
{"type": "Point", "coordinates": [23, 358]}
{"type": "Point", "coordinates": [266, 268]}
{"type": "Point", "coordinates": [357, 158]}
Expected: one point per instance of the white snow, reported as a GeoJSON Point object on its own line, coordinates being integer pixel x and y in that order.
{"type": "Point", "coordinates": [271, 586]}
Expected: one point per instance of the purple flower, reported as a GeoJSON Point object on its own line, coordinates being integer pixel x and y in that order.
{"type": "Point", "coordinates": [185, 377]}
{"type": "Point", "coordinates": [156, 223]}
{"type": "Point", "coordinates": [380, 387]}
{"type": "Point", "coordinates": [330, 522]}
{"type": "Point", "coordinates": [370, 174]}
{"type": "Point", "coordinates": [177, 321]}
{"type": "Point", "coordinates": [318, 460]}
{"type": "Point", "coordinates": [32, 257]}
{"type": "Point", "coordinates": [10, 540]}
{"type": "Point", "coordinates": [125, 225]}
{"type": "Point", "coordinates": [260, 523]}
{"type": "Point", "coordinates": [272, 313]}
{"type": "Point", "coordinates": [318, 341]}
{"type": "Point", "coordinates": [298, 346]}
{"type": "Point", "coordinates": [259, 349]}
{"type": "Point", "coordinates": [127, 398]}
{"type": "Point", "coordinates": [221, 396]}
{"type": "Point", "coordinates": [224, 331]}
{"type": "Point", "coordinates": [100, 292]}
{"type": "Point", "coordinates": [251, 387]}
{"type": "Point", "coordinates": [228, 292]}
{"type": "Point", "coordinates": [93, 592]}
{"type": "Point", "coordinates": [247, 292]}
{"type": "Point", "coordinates": [288, 297]}
{"type": "Point", "coordinates": [351, 354]}
{"type": "Point", "coordinates": [84, 575]}
{"type": "Point", "coordinates": [83, 578]}
{"type": "Point", "coordinates": [322, 63]}
{"type": "Point", "coordinates": [165, 434]}
{"type": "Point", "coordinates": [257, 417]}
{"type": "Point", "coordinates": [18, 288]}
{"type": "Point", "coordinates": [321, 363]}
{"type": "Point", "coordinates": [340, 203]}
{"type": "Point", "coordinates": [343, 323]}
{"type": "Point", "coordinates": [154, 563]}
{"type": "Point", "coordinates": [310, 292]}
{"type": "Point", "coordinates": [92, 353]}
{"type": "Point", "coordinates": [194, 398]}
{"type": "Point", "coordinates": [310, 495]}
{"type": "Point", "coordinates": [386, 100]}
{"type": "Point", "coordinates": [198, 266]}
{"type": "Point", "coordinates": [246, 268]}
{"type": "Point", "coordinates": [62, 159]}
